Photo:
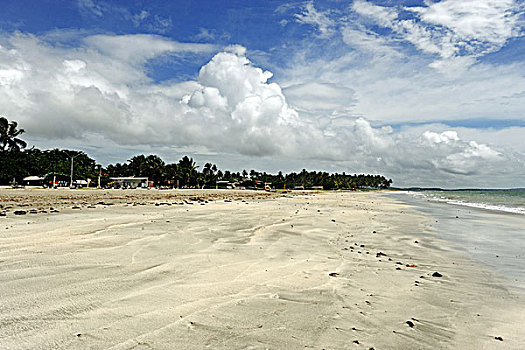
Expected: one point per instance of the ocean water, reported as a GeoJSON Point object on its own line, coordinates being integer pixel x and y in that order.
{"type": "Point", "coordinates": [487, 225]}
{"type": "Point", "coordinates": [512, 201]}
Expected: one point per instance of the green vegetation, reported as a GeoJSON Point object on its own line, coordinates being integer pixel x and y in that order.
{"type": "Point", "coordinates": [17, 162]}
{"type": "Point", "coordinates": [21, 163]}
{"type": "Point", "coordinates": [8, 136]}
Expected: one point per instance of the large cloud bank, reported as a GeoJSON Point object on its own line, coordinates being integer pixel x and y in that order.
{"type": "Point", "coordinates": [99, 90]}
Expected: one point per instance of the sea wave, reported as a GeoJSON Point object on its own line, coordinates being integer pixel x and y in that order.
{"type": "Point", "coordinates": [485, 206]}
{"type": "Point", "coordinates": [515, 210]}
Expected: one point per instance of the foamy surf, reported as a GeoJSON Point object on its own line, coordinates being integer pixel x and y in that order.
{"type": "Point", "coordinates": [509, 201]}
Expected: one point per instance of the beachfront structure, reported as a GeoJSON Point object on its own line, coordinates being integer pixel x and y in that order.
{"type": "Point", "coordinates": [33, 181]}
{"type": "Point", "coordinates": [224, 184]}
{"type": "Point", "coordinates": [130, 182]}
{"type": "Point", "coordinates": [81, 183]}
{"type": "Point", "coordinates": [53, 180]}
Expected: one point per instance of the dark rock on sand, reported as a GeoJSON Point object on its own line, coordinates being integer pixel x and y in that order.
{"type": "Point", "coordinates": [437, 274]}
{"type": "Point", "coordinates": [410, 323]}
{"type": "Point", "coordinates": [20, 212]}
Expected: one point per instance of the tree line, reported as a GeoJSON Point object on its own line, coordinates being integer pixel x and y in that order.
{"type": "Point", "coordinates": [16, 162]}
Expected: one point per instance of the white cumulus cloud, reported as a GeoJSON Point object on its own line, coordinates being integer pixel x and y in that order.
{"type": "Point", "coordinates": [99, 92]}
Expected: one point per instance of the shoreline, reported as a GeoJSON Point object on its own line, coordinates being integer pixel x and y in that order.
{"type": "Point", "coordinates": [480, 206]}
{"type": "Point", "coordinates": [491, 237]}
{"type": "Point", "coordinates": [315, 270]}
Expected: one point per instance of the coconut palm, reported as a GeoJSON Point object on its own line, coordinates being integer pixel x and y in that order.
{"type": "Point", "coordinates": [8, 136]}
{"type": "Point", "coordinates": [187, 170]}
{"type": "Point", "coordinates": [139, 165]}
{"type": "Point", "coordinates": [155, 168]}
{"type": "Point", "coordinates": [208, 174]}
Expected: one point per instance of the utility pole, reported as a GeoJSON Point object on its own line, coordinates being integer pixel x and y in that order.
{"type": "Point", "coordinates": [99, 174]}
{"type": "Point", "coordinates": [71, 175]}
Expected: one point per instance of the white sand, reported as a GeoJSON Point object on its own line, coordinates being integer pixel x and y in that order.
{"type": "Point", "coordinates": [245, 275]}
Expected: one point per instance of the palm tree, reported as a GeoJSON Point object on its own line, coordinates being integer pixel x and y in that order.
{"type": "Point", "coordinates": [8, 136]}
{"type": "Point", "coordinates": [139, 165]}
{"type": "Point", "coordinates": [151, 166]}
{"type": "Point", "coordinates": [208, 174]}
{"type": "Point", "coordinates": [171, 173]}
{"type": "Point", "coordinates": [155, 168]}
{"type": "Point", "coordinates": [187, 170]}
{"type": "Point", "coordinates": [207, 169]}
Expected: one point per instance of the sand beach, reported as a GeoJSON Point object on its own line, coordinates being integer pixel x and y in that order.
{"type": "Point", "coordinates": [221, 269]}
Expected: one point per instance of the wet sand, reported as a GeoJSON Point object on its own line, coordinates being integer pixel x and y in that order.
{"type": "Point", "coordinates": [494, 238]}
{"type": "Point", "coordinates": [240, 270]}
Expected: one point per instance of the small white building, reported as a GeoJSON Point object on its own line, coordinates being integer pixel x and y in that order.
{"type": "Point", "coordinates": [224, 184]}
{"type": "Point", "coordinates": [81, 183]}
{"type": "Point", "coordinates": [33, 181]}
{"type": "Point", "coordinates": [129, 182]}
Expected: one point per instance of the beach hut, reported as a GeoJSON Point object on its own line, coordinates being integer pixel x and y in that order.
{"type": "Point", "coordinates": [224, 184]}
{"type": "Point", "coordinates": [33, 181]}
{"type": "Point", "coordinates": [130, 182]}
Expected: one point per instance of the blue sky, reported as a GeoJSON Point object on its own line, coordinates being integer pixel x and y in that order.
{"type": "Point", "coordinates": [426, 92]}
